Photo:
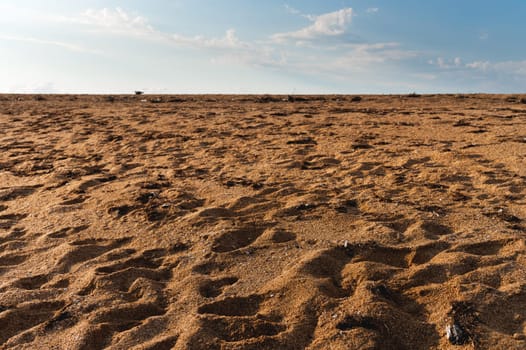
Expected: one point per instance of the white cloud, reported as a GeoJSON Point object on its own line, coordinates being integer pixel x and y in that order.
{"type": "Point", "coordinates": [328, 24]}
{"type": "Point", "coordinates": [119, 22]}
{"type": "Point", "coordinates": [372, 10]}
{"type": "Point", "coordinates": [115, 21]}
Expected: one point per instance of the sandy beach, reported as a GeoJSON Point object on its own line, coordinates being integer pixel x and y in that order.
{"type": "Point", "coordinates": [262, 222]}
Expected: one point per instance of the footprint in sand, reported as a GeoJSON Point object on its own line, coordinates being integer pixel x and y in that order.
{"type": "Point", "coordinates": [235, 239]}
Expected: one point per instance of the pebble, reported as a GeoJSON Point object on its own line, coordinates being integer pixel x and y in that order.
{"type": "Point", "coordinates": [455, 334]}
{"type": "Point", "coordinates": [519, 336]}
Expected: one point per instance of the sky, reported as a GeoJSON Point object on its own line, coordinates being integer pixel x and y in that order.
{"type": "Point", "coordinates": [272, 46]}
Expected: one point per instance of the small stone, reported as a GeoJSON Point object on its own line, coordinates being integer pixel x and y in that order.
{"type": "Point", "coordinates": [455, 334]}
{"type": "Point", "coordinates": [519, 336]}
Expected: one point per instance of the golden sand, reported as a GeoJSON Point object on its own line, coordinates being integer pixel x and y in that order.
{"type": "Point", "coordinates": [262, 222]}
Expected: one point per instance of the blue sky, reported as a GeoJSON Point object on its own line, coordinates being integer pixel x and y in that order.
{"type": "Point", "coordinates": [273, 46]}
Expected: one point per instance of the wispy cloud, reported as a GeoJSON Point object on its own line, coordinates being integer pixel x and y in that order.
{"type": "Point", "coordinates": [35, 87]}
{"type": "Point", "coordinates": [444, 63]}
{"type": "Point", "coordinates": [120, 22]}
{"type": "Point", "coordinates": [328, 24]}
{"type": "Point", "coordinates": [292, 10]}
{"type": "Point", "coordinates": [308, 56]}
{"type": "Point", "coordinates": [372, 10]}
{"type": "Point", "coordinates": [264, 57]}
{"type": "Point", "coordinates": [479, 65]}
{"type": "Point", "coordinates": [512, 68]}
{"type": "Point", "coordinates": [228, 41]}
{"type": "Point", "coordinates": [504, 67]}
{"type": "Point", "coordinates": [425, 76]}
{"type": "Point", "coordinates": [363, 57]}
{"type": "Point", "coordinates": [61, 44]}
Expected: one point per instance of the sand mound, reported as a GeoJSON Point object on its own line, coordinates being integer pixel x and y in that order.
{"type": "Point", "coordinates": [262, 222]}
